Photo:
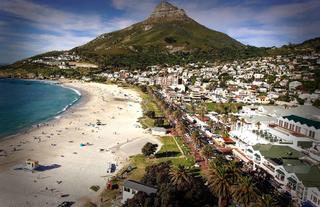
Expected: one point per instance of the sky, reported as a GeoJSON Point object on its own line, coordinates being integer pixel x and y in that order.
{"type": "Point", "coordinates": [30, 27]}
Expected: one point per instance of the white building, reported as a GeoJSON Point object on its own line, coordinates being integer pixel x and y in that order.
{"type": "Point", "coordinates": [288, 169]}
{"type": "Point", "coordinates": [299, 125]}
{"type": "Point", "coordinates": [131, 187]}
{"type": "Point", "coordinates": [158, 131]}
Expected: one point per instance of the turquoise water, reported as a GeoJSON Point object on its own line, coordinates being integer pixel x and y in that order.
{"type": "Point", "coordinates": [24, 103]}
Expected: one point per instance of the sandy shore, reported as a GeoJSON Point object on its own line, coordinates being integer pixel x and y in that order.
{"type": "Point", "coordinates": [70, 169]}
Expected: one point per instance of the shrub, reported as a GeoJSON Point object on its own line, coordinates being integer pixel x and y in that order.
{"type": "Point", "coordinates": [149, 149]}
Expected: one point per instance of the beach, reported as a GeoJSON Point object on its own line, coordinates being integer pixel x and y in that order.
{"type": "Point", "coordinates": [73, 149]}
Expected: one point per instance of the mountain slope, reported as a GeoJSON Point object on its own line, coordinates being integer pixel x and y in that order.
{"type": "Point", "coordinates": [167, 31]}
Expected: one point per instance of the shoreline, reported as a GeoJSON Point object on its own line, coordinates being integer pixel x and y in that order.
{"type": "Point", "coordinates": [59, 114]}
{"type": "Point", "coordinates": [60, 144]}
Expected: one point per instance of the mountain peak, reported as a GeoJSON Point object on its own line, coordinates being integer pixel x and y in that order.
{"type": "Point", "coordinates": [165, 11]}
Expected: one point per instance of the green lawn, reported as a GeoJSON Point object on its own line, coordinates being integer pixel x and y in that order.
{"type": "Point", "coordinates": [149, 104]}
{"type": "Point", "coordinates": [223, 108]}
{"type": "Point", "coordinates": [169, 146]}
{"type": "Point", "coordinates": [140, 163]}
{"type": "Point", "coordinates": [168, 152]}
{"type": "Point", "coordinates": [184, 147]}
{"type": "Point", "coordinates": [146, 122]}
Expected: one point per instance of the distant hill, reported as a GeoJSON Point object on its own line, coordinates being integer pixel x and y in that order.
{"type": "Point", "coordinates": [301, 48]}
{"type": "Point", "coordinates": [312, 43]}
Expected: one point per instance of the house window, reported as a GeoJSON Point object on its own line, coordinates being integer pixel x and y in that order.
{"type": "Point", "coordinates": [311, 134]}
{"type": "Point", "coordinates": [280, 123]}
{"type": "Point", "coordinates": [298, 129]}
{"type": "Point", "coordinates": [126, 189]}
{"type": "Point", "coordinates": [285, 125]}
{"type": "Point", "coordinates": [291, 127]}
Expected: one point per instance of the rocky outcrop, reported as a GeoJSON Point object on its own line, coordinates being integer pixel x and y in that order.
{"type": "Point", "coordinates": [167, 12]}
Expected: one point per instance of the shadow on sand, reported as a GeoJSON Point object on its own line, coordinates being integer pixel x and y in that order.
{"type": "Point", "coordinates": [42, 168]}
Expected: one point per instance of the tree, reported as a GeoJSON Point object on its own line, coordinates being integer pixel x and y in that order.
{"type": "Point", "coordinates": [143, 88]}
{"type": "Point", "coordinates": [149, 148]}
{"type": "Point", "coordinates": [192, 108]}
{"type": "Point", "coordinates": [210, 124]}
{"type": "Point", "coordinates": [258, 124]}
{"type": "Point", "coordinates": [159, 122]}
{"type": "Point", "coordinates": [180, 178]}
{"type": "Point", "coordinates": [243, 122]}
{"type": "Point", "coordinates": [181, 128]}
{"type": "Point", "coordinates": [207, 152]}
{"type": "Point", "coordinates": [244, 193]}
{"type": "Point", "coordinates": [266, 201]}
{"type": "Point", "coordinates": [150, 114]}
{"type": "Point", "coordinates": [233, 120]}
{"type": "Point", "coordinates": [316, 103]}
{"type": "Point", "coordinates": [219, 182]}
{"type": "Point", "coordinates": [233, 170]}
{"type": "Point", "coordinates": [177, 114]}
{"type": "Point", "coordinates": [300, 101]}
{"type": "Point", "coordinates": [195, 137]}
{"type": "Point", "coordinates": [203, 111]}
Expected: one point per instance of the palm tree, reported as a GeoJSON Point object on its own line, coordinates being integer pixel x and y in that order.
{"type": "Point", "coordinates": [258, 124]}
{"type": "Point", "coordinates": [244, 193]}
{"type": "Point", "coordinates": [195, 137]}
{"type": "Point", "coordinates": [224, 119]}
{"type": "Point", "coordinates": [243, 121]}
{"type": "Point", "coordinates": [192, 108]}
{"type": "Point", "coordinates": [207, 152]}
{"type": "Point", "coordinates": [219, 182]}
{"type": "Point", "coordinates": [181, 128]}
{"type": "Point", "coordinates": [234, 171]}
{"type": "Point", "coordinates": [180, 177]}
{"type": "Point", "coordinates": [233, 120]}
{"type": "Point", "coordinates": [210, 124]}
{"type": "Point", "coordinates": [203, 111]}
{"type": "Point", "coordinates": [176, 114]}
{"type": "Point", "coordinates": [265, 201]}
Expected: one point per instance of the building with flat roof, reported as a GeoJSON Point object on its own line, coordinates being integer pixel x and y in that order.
{"type": "Point", "coordinates": [131, 187]}
{"type": "Point", "coordinates": [289, 169]}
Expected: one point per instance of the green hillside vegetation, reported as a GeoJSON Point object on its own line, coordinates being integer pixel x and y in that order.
{"type": "Point", "coordinates": [302, 48]}
{"type": "Point", "coordinates": [176, 42]}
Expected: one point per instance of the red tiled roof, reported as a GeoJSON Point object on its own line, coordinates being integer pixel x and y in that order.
{"type": "Point", "coordinates": [228, 140]}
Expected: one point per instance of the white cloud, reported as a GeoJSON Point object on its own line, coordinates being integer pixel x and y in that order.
{"type": "Point", "coordinates": [260, 27]}
{"type": "Point", "coordinates": [135, 5]}
{"type": "Point", "coordinates": [58, 27]}
{"type": "Point", "coordinates": [265, 24]}
{"type": "Point", "coordinates": [39, 43]}
{"type": "Point", "coordinates": [48, 18]}
{"type": "Point", "coordinates": [285, 11]}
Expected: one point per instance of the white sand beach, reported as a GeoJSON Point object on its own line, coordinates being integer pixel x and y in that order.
{"type": "Point", "coordinates": [69, 169]}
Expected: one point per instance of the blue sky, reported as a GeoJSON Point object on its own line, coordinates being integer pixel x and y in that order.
{"type": "Point", "coordinates": [29, 27]}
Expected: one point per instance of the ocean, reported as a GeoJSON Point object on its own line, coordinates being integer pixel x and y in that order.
{"type": "Point", "coordinates": [24, 103]}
